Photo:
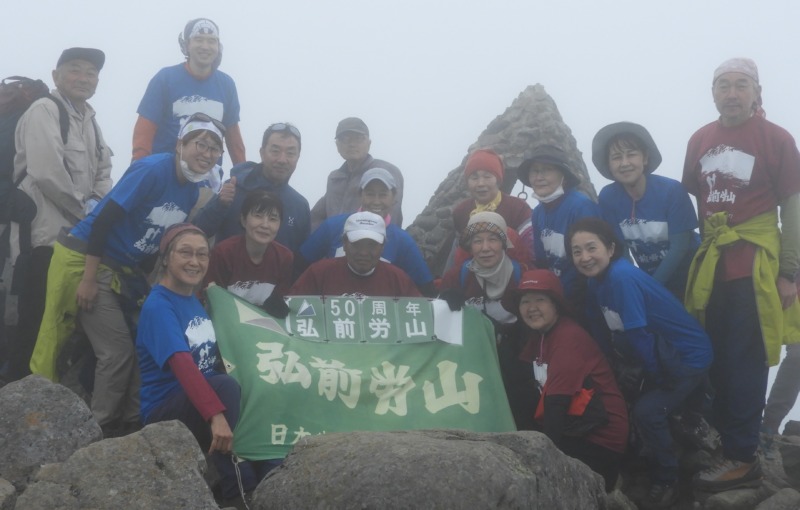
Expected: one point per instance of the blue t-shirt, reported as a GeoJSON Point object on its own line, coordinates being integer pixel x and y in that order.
{"type": "Point", "coordinates": [399, 248]}
{"type": "Point", "coordinates": [153, 198]}
{"type": "Point", "coordinates": [647, 223]}
{"type": "Point", "coordinates": [550, 225]}
{"type": "Point", "coordinates": [630, 298]}
{"type": "Point", "coordinates": [174, 94]}
{"type": "Point", "coordinates": [171, 323]}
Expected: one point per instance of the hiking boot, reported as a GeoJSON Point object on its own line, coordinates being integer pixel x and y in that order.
{"type": "Point", "coordinates": [661, 495]}
{"type": "Point", "coordinates": [729, 474]}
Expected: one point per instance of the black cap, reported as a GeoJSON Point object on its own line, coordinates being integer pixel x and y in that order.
{"type": "Point", "coordinates": [352, 125]}
{"type": "Point", "coordinates": [96, 57]}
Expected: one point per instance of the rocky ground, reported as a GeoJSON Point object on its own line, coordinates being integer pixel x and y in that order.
{"type": "Point", "coordinates": [53, 456]}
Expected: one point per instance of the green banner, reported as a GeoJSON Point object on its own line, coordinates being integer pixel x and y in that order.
{"type": "Point", "coordinates": [344, 363]}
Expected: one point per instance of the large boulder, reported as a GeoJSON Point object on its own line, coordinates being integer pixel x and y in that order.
{"type": "Point", "coordinates": [785, 499]}
{"type": "Point", "coordinates": [160, 467]}
{"type": "Point", "coordinates": [531, 120]}
{"type": "Point", "coordinates": [8, 495]}
{"type": "Point", "coordinates": [430, 469]}
{"type": "Point", "coordinates": [40, 422]}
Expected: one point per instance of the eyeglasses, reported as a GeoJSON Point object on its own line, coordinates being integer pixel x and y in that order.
{"type": "Point", "coordinates": [202, 117]}
{"type": "Point", "coordinates": [186, 254]}
{"type": "Point", "coordinates": [203, 147]}
{"type": "Point", "coordinates": [281, 127]}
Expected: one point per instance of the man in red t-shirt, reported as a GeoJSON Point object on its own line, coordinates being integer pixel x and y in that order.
{"type": "Point", "coordinates": [361, 271]}
{"type": "Point", "coordinates": [742, 169]}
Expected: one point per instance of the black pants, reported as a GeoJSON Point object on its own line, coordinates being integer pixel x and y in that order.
{"type": "Point", "coordinates": [603, 461]}
{"type": "Point", "coordinates": [32, 296]}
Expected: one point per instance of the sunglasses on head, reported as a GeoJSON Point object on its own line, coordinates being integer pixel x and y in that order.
{"type": "Point", "coordinates": [202, 117]}
{"type": "Point", "coordinates": [281, 127]}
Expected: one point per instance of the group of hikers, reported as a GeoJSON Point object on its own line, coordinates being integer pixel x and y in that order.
{"type": "Point", "coordinates": [610, 317]}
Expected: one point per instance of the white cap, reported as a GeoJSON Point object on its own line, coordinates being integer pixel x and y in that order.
{"type": "Point", "coordinates": [380, 174]}
{"type": "Point", "coordinates": [365, 225]}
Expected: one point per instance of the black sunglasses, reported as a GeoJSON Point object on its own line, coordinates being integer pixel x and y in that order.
{"type": "Point", "coordinates": [202, 117]}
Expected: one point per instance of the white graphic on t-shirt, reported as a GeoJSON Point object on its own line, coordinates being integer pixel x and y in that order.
{"type": "Point", "coordinates": [187, 105]}
{"type": "Point", "coordinates": [158, 220]}
{"type": "Point", "coordinates": [201, 339]}
{"type": "Point", "coordinates": [252, 291]}
{"type": "Point", "coordinates": [553, 243]}
{"type": "Point", "coordinates": [613, 320]}
{"type": "Point", "coordinates": [645, 238]}
{"type": "Point", "coordinates": [734, 169]}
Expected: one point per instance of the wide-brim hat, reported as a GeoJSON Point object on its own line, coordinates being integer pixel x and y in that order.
{"type": "Point", "coordinates": [600, 146]}
{"type": "Point", "coordinates": [553, 155]}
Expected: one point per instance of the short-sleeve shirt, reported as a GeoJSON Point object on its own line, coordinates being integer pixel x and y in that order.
{"type": "Point", "coordinates": [174, 94]}
{"type": "Point", "coordinates": [333, 277]}
{"type": "Point", "coordinates": [399, 248]}
{"type": "Point", "coordinates": [153, 199]}
{"type": "Point", "coordinates": [550, 225]}
{"type": "Point", "coordinates": [230, 267]}
{"type": "Point", "coordinates": [630, 298]}
{"type": "Point", "coordinates": [171, 323]}
{"type": "Point", "coordinates": [665, 209]}
{"type": "Point", "coordinates": [745, 171]}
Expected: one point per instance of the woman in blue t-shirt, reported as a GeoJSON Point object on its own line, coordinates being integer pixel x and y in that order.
{"type": "Point", "coordinates": [555, 183]}
{"type": "Point", "coordinates": [652, 330]}
{"type": "Point", "coordinates": [179, 360]}
{"type": "Point", "coordinates": [95, 274]}
{"type": "Point", "coordinates": [653, 214]}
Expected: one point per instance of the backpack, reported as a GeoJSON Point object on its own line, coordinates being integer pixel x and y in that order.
{"type": "Point", "coordinates": [17, 93]}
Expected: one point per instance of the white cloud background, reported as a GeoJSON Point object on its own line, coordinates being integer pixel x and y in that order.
{"type": "Point", "coordinates": [427, 76]}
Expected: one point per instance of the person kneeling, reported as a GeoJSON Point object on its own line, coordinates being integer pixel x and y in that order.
{"type": "Point", "coordinates": [179, 360]}
{"type": "Point", "coordinates": [581, 408]}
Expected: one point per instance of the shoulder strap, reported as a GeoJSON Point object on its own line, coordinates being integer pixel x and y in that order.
{"type": "Point", "coordinates": [63, 118]}
{"type": "Point", "coordinates": [63, 123]}
{"type": "Point", "coordinates": [462, 275]}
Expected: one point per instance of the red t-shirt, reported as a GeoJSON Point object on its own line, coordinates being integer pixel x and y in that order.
{"type": "Point", "coordinates": [745, 171]}
{"type": "Point", "coordinates": [230, 267]}
{"type": "Point", "coordinates": [332, 277]}
{"type": "Point", "coordinates": [571, 355]}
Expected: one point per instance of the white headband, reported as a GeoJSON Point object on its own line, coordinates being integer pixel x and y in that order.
{"type": "Point", "coordinates": [198, 124]}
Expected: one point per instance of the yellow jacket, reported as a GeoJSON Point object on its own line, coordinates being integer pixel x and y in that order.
{"type": "Point", "coordinates": [778, 326]}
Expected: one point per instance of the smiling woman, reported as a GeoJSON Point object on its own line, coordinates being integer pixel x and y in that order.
{"type": "Point", "coordinates": [253, 265]}
{"type": "Point", "coordinates": [181, 369]}
{"type": "Point", "coordinates": [653, 332]}
{"type": "Point", "coordinates": [103, 253]}
{"type": "Point", "coordinates": [568, 366]}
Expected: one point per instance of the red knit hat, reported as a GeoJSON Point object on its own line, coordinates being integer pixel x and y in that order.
{"type": "Point", "coordinates": [484, 159]}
